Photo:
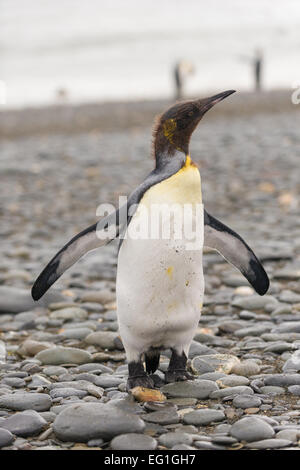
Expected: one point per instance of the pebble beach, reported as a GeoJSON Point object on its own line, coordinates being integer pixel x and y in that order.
{"type": "Point", "coordinates": [63, 369]}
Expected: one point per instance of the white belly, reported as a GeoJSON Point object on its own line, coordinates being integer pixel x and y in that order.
{"type": "Point", "coordinates": [160, 287]}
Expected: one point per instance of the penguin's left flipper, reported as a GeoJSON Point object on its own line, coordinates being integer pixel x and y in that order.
{"type": "Point", "coordinates": [236, 251]}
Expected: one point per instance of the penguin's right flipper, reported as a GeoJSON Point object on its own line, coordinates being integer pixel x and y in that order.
{"type": "Point", "coordinates": [236, 251]}
{"type": "Point", "coordinates": [89, 239]}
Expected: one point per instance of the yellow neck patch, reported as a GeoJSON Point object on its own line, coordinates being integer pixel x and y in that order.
{"type": "Point", "coordinates": [184, 187]}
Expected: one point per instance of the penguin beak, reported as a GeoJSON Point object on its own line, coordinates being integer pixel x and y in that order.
{"type": "Point", "coordinates": [207, 103]}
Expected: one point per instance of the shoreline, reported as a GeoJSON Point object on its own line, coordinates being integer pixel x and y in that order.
{"type": "Point", "coordinates": [111, 116]}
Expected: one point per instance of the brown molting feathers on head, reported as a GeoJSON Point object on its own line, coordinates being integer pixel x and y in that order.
{"type": "Point", "coordinates": [173, 129]}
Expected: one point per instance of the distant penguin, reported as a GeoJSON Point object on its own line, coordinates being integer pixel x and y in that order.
{"type": "Point", "coordinates": [181, 70]}
{"type": "Point", "coordinates": [160, 284]}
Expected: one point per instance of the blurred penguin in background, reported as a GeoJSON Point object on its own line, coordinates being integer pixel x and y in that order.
{"type": "Point", "coordinates": [181, 70]}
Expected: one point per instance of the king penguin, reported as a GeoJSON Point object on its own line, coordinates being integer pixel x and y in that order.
{"type": "Point", "coordinates": [160, 283]}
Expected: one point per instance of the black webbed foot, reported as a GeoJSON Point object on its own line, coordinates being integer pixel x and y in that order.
{"type": "Point", "coordinates": [138, 377]}
{"type": "Point", "coordinates": [139, 381]}
{"type": "Point", "coordinates": [177, 376]}
{"type": "Point", "coordinates": [177, 368]}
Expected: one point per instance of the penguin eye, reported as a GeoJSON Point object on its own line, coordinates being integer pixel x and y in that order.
{"type": "Point", "coordinates": [191, 113]}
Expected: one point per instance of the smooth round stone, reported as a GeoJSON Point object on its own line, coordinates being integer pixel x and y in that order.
{"type": "Point", "coordinates": [171, 439]}
{"type": "Point", "coordinates": [31, 347]}
{"type": "Point", "coordinates": [279, 347]}
{"type": "Point", "coordinates": [160, 406]}
{"type": "Point", "coordinates": [214, 363]}
{"type": "Point", "coordinates": [38, 381]}
{"type": "Point", "coordinates": [253, 302]}
{"type": "Point", "coordinates": [86, 376]}
{"type": "Point", "coordinates": [256, 330]}
{"type": "Point", "coordinates": [24, 400]}
{"type": "Point", "coordinates": [54, 370]}
{"type": "Point", "coordinates": [133, 441]}
{"type": "Point", "coordinates": [289, 434]}
{"type": "Point", "coordinates": [95, 368]}
{"type": "Point", "coordinates": [6, 438]}
{"type": "Point", "coordinates": [48, 416]}
{"type": "Point", "coordinates": [269, 444]}
{"type": "Point", "coordinates": [62, 355]}
{"type": "Point", "coordinates": [295, 390]}
{"type": "Point", "coordinates": [85, 421]}
{"type": "Point", "coordinates": [229, 391]}
{"type": "Point", "coordinates": [282, 380]}
{"type": "Point", "coordinates": [214, 376]}
{"type": "Point", "coordinates": [232, 381]}
{"type": "Point", "coordinates": [222, 429]}
{"type": "Point", "coordinates": [26, 423]}
{"type": "Point", "coordinates": [226, 440]}
{"type": "Point", "coordinates": [95, 443]}
{"type": "Point", "coordinates": [104, 339]}
{"type": "Point", "coordinates": [76, 333]}
{"type": "Point", "coordinates": [183, 401]}
{"type": "Point", "coordinates": [71, 313]}
{"type": "Point", "coordinates": [14, 382]}
{"type": "Point", "coordinates": [162, 417]}
{"type": "Point", "coordinates": [199, 389]}
{"type": "Point", "coordinates": [197, 349]}
{"type": "Point", "coordinates": [102, 296]}
{"type": "Point", "coordinates": [288, 327]}
{"type": "Point", "coordinates": [16, 300]}
{"type": "Point", "coordinates": [246, 401]}
{"type": "Point", "coordinates": [203, 417]}
{"type": "Point", "coordinates": [251, 429]}
{"type": "Point", "coordinates": [67, 392]}
{"type": "Point", "coordinates": [293, 363]}
{"type": "Point", "coordinates": [272, 390]}
{"type": "Point", "coordinates": [107, 381]}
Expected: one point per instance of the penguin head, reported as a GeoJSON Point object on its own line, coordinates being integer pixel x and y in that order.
{"type": "Point", "coordinates": [174, 128]}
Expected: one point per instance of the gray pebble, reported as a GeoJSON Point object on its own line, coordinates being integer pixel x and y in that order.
{"type": "Point", "coordinates": [133, 441]}
{"type": "Point", "coordinates": [24, 400]}
{"type": "Point", "coordinates": [67, 392]}
{"type": "Point", "coordinates": [162, 417]}
{"type": "Point", "coordinates": [63, 355]}
{"type": "Point", "coordinates": [6, 437]}
{"type": "Point", "coordinates": [171, 439]}
{"type": "Point", "coordinates": [25, 423]}
{"type": "Point", "coordinates": [251, 429]}
{"type": "Point", "coordinates": [229, 391]}
{"type": "Point", "coordinates": [289, 434]}
{"type": "Point", "coordinates": [283, 380]}
{"type": "Point", "coordinates": [272, 390]}
{"type": "Point", "coordinates": [203, 417]}
{"type": "Point", "coordinates": [85, 421]}
{"type": "Point", "coordinates": [200, 389]}
{"type": "Point", "coordinates": [295, 390]}
{"type": "Point", "coordinates": [54, 370]}
{"type": "Point", "coordinates": [246, 401]}
{"type": "Point", "coordinates": [269, 444]}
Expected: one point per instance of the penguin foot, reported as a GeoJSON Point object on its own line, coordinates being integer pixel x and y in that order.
{"type": "Point", "coordinates": [177, 375]}
{"type": "Point", "coordinates": [158, 382]}
{"type": "Point", "coordinates": [139, 381]}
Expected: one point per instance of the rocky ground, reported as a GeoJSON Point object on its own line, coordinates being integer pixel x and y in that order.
{"type": "Point", "coordinates": [62, 363]}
